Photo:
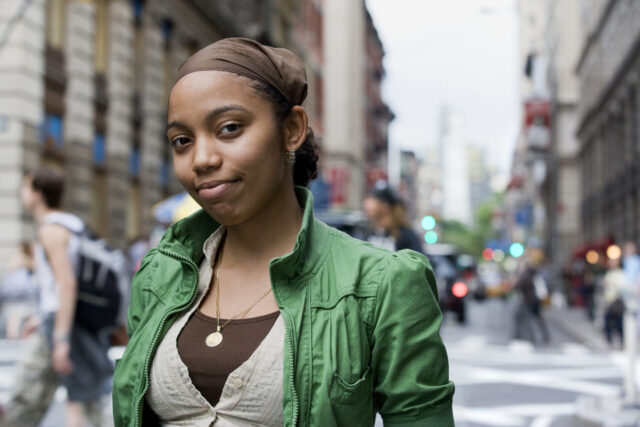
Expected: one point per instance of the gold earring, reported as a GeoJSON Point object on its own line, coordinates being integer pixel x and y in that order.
{"type": "Point", "coordinates": [290, 157]}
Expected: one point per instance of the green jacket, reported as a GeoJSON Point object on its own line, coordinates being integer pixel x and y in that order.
{"type": "Point", "coordinates": [362, 327]}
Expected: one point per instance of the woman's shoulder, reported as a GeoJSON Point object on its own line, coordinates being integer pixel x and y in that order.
{"type": "Point", "coordinates": [374, 263]}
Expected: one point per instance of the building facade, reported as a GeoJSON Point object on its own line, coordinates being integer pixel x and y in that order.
{"type": "Point", "coordinates": [525, 199]}
{"type": "Point", "coordinates": [608, 118]}
{"type": "Point", "coordinates": [356, 119]}
{"type": "Point", "coordinates": [84, 87]}
{"type": "Point", "coordinates": [563, 180]}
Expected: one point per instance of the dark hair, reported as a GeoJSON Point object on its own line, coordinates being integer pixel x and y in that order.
{"type": "Point", "coordinates": [386, 195]}
{"type": "Point", "coordinates": [398, 209]}
{"type": "Point", "coordinates": [305, 168]}
{"type": "Point", "coordinates": [50, 183]}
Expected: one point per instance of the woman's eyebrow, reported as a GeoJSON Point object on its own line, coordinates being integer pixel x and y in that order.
{"type": "Point", "coordinates": [210, 116]}
{"type": "Point", "coordinates": [225, 108]}
{"type": "Point", "coordinates": [176, 124]}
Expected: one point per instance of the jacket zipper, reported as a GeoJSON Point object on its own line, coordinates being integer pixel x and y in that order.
{"type": "Point", "coordinates": [138, 414]}
{"type": "Point", "coordinates": [288, 331]}
{"type": "Point", "coordinates": [291, 381]}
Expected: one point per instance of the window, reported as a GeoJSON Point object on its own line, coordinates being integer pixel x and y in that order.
{"type": "Point", "coordinates": [134, 161]}
{"type": "Point", "coordinates": [52, 131]}
{"type": "Point", "coordinates": [138, 7]}
{"type": "Point", "coordinates": [99, 151]}
{"type": "Point", "coordinates": [56, 12]}
{"type": "Point", "coordinates": [167, 75]}
{"type": "Point", "coordinates": [102, 35]}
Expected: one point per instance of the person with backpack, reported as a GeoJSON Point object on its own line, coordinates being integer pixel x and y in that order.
{"type": "Point", "coordinates": [60, 350]}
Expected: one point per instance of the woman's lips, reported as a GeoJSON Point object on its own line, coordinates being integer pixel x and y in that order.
{"type": "Point", "coordinates": [216, 191]}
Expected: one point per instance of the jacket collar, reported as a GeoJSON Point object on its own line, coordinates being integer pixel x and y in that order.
{"type": "Point", "coordinates": [186, 238]}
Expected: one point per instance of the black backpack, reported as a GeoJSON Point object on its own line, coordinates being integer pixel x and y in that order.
{"type": "Point", "coordinates": [103, 284]}
{"type": "Point", "coordinates": [102, 281]}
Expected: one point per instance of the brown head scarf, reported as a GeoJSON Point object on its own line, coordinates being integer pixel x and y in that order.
{"type": "Point", "coordinates": [275, 66]}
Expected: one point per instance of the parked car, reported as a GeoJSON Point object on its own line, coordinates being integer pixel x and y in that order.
{"type": "Point", "coordinates": [452, 288]}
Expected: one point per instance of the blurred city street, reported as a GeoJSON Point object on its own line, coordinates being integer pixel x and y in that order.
{"type": "Point", "coordinates": [502, 382]}
{"type": "Point", "coordinates": [499, 138]}
{"type": "Point", "coordinates": [499, 381]}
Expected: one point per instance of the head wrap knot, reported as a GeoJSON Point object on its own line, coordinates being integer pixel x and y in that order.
{"type": "Point", "coordinates": [277, 67]}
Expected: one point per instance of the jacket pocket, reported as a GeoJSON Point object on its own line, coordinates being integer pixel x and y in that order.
{"type": "Point", "coordinates": [342, 392]}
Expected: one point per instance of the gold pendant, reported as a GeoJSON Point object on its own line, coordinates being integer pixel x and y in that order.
{"type": "Point", "coordinates": [213, 339]}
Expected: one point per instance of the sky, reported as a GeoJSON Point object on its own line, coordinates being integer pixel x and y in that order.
{"type": "Point", "coordinates": [462, 54]}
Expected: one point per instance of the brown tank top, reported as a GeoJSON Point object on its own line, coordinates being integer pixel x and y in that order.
{"type": "Point", "coordinates": [209, 367]}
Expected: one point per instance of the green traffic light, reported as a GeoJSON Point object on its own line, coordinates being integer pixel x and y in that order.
{"type": "Point", "coordinates": [431, 237]}
{"type": "Point", "coordinates": [516, 250]}
{"type": "Point", "coordinates": [428, 222]}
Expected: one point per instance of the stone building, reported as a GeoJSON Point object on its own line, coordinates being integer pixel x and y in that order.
{"type": "Point", "coordinates": [84, 86]}
{"type": "Point", "coordinates": [609, 153]}
{"type": "Point", "coordinates": [563, 180]}
{"type": "Point", "coordinates": [355, 117]}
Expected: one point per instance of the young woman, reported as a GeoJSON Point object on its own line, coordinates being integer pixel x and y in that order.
{"type": "Point", "coordinates": [250, 312]}
{"type": "Point", "coordinates": [386, 211]}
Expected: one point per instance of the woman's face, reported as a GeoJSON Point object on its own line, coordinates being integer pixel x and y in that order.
{"type": "Point", "coordinates": [379, 213]}
{"type": "Point", "coordinates": [228, 150]}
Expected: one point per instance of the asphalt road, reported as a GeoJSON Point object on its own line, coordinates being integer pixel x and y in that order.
{"type": "Point", "coordinates": [499, 381]}
{"type": "Point", "coordinates": [505, 382]}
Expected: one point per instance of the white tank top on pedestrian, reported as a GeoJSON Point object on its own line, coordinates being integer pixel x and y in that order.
{"type": "Point", "coordinates": [46, 280]}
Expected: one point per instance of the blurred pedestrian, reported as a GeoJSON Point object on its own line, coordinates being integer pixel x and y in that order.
{"type": "Point", "coordinates": [589, 286]}
{"type": "Point", "coordinates": [332, 318]}
{"type": "Point", "coordinates": [387, 212]}
{"type": "Point", "coordinates": [528, 315]}
{"type": "Point", "coordinates": [19, 291]}
{"type": "Point", "coordinates": [58, 351]}
{"type": "Point", "coordinates": [614, 283]}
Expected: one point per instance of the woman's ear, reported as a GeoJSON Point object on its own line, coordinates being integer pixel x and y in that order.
{"type": "Point", "coordinates": [295, 128]}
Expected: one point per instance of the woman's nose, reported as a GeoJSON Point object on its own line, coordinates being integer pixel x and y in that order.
{"type": "Point", "coordinates": [206, 155]}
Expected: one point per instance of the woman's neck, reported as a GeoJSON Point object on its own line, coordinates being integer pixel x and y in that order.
{"type": "Point", "coordinates": [269, 234]}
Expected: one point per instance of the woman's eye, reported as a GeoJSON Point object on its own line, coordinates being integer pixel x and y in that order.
{"type": "Point", "coordinates": [230, 128]}
{"type": "Point", "coordinates": [180, 142]}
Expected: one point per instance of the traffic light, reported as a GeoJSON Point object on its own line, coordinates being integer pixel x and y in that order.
{"type": "Point", "coordinates": [431, 237]}
{"type": "Point", "coordinates": [428, 222]}
{"type": "Point", "coordinates": [516, 250]}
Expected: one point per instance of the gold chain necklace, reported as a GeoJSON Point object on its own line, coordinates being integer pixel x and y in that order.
{"type": "Point", "coordinates": [215, 338]}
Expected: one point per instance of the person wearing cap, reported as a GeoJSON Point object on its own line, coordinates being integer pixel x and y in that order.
{"type": "Point", "coordinates": [252, 312]}
{"type": "Point", "coordinates": [386, 211]}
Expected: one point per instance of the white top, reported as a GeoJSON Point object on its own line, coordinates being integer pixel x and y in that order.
{"type": "Point", "coordinates": [252, 394]}
{"type": "Point", "coordinates": [46, 280]}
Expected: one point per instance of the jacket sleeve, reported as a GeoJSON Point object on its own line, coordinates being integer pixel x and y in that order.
{"type": "Point", "coordinates": [136, 300]}
{"type": "Point", "coordinates": [409, 360]}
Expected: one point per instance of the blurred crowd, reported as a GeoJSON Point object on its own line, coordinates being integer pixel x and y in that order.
{"type": "Point", "coordinates": [606, 285]}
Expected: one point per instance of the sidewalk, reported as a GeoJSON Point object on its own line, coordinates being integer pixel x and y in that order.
{"type": "Point", "coordinates": [593, 410]}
